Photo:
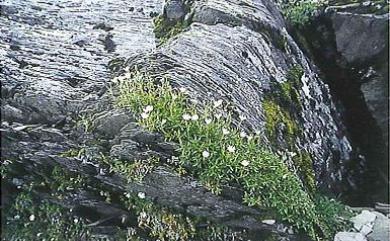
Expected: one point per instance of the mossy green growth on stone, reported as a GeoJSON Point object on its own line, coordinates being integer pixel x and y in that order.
{"type": "Point", "coordinates": [165, 29]}
{"type": "Point", "coordinates": [218, 153]}
{"type": "Point", "coordinates": [303, 162]}
{"type": "Point", "coordinates": [274, 116]}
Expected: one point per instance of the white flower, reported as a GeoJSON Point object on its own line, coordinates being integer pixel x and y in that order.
{"type": "Point", "coordinates": [245, 163]}
{"type": "Point", "coordinates": [163, 121]}
{"type": "Point", "coordinates": [75, 220]}
{"type": "Point", "coordinates": [144, 115]}
{"type": "Point", "coordinates": [194, 117]}
{"type": "Point", "coordinates": [141, 195]}
{"type": "Point", "coordinates": [218, 116]}
{"type": "Point", "coordinates": [186, 117]}
{"type": "Point", "coordinates": [250, 138]}
{"type": "Point", "coordinates": [127, 195]}
{"type": "Point", "coordinates": [205, 154]}
{"type": "Point", "coordinates": [269, 221]}
{"type": "Point", "coordinates": [32, 217]}
{"type": "Point", "coordinates": [175, 159]}
{"type": "Point", "coordinates": [194, 101]}
{"type": "Point", "coordinates": [143, 215]}
{"type": "Point", "coordinates": [39, 234]}
{"type": "Point", "coordinates": [225, 131]}
{"type": "Point", "coordinates": [218, 103]}
{"type": "Point", "coordinates": [16, 217]}
{"type": "Point", "coordinates": [257, 132]}
{"type": "Point", "coordinates": [242, 118]}
{"type": "Point", "coordinates": [148, 108]}
{"type": "Point", "coordinates": [231, 149]}
{"type": "Point", "coordinates": [243, 134]}
{"type": "Point", "coordinates": [207, 121]}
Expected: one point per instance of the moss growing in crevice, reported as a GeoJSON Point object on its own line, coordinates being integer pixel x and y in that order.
{"type": "Point", "coordinates": [282, 105]}
{"type": "Point", "coordinates": [303, 162]}
{"type": "Point", "coordinates": [275, 116]}
{"type": "Point", "coordinates": [165, 29]}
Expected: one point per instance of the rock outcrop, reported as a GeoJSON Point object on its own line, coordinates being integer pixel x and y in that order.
{"type": "Point", "coordinates": [242, 53]}
{"type": "Point", "coordinates": [59, 123]}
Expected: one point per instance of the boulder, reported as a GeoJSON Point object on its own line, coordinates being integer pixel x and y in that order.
{"type": "Point", "coordinates": [243, 54]}
{"type": "Point", "coordinates": [349, 236]}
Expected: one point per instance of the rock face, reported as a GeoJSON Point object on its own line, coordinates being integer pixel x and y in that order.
{"type": "Point", "coordinates": [242, 53]}
{"type": "Point", "coordinates": [350, 45]}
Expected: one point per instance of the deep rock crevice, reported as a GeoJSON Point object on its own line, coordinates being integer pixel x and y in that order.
{"type": "Point", "coordinates": [354, 83]}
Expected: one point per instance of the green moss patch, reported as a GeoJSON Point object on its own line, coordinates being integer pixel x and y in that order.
{"type": "Point", "coordinates": [304, 164]}
{"type": "Point", "coordinates": [274, 116]}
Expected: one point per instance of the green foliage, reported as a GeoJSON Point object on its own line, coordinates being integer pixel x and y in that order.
{"type": "Point", "coordinates": [165, 29]}
{"type": "Point", "coordinates": [29, 219]}
{"type": "Point", "coordinates": [300, 12]}
{"type": "Point", "coordinates": [61, 180]}
{"type": "Point", "coordinates": [218, 153]}
{"type": "Point", "coordinates": [86, 122]}
{"type": "Point", "coordinates": [132, 171]}
{"type": "Point", "coordinates": [334, 213]}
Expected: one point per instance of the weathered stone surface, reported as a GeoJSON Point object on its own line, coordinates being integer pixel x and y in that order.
{"type": "Point", "coordinates": [174, 9]}
{"type": "Point", "coordinates": [360, 37]}
{"type": "Point", "coordinates": [365, 217]}
{"type": "Point", "coordinates": [381, 229]}
{"type": "Point", "coordinates": [349, 236]}
{"type": "Point", "coordinates": [110, 123]}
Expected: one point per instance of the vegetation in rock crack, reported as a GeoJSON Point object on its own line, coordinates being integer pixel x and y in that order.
{"type": "Point", "coordinates": [300, 12]}
{"type": "Point", "coordinates": [163, 224]}
{"type": "Point", "coordinates": [132, 171]}
{"type": "Point", "coordinates": [220, 154]}
{"type": "Point", "coordinates": [279, 107]}
{"type": "Point", "coordinates": [165, 29]}
{"type": "Point", "coordinates": [28, 217]}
